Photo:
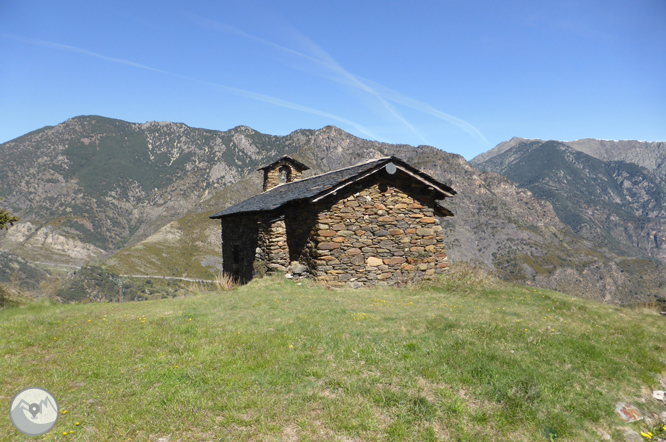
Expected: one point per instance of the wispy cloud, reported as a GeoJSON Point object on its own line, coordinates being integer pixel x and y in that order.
{"type": "Point", "coordinates": [420, 106]}
{"type": "Point", "coordinates": [383, 93]}
{"type": "Point", "coordinates": [327, 60]}
{"type": "Point", "coordinates": [228, 89]}
{"type": "Point", "coordinates": [323, 59]}
{"type": "Point", "coordinates": [320, 58]}
{"type": "Point", "coordinates": [49, 44]}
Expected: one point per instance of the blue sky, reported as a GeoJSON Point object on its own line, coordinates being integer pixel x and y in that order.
{"type": "Point", "coordinates": [458, 75]}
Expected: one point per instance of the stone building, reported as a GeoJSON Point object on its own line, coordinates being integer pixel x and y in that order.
{"type": "Point", "coordinates": [375, 223]}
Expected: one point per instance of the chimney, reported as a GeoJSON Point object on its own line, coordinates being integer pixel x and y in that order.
{"type": "Point", "coordinates": [283, 170]}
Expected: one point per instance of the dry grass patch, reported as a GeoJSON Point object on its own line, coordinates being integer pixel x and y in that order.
{"type": "Point", "coordinates": [463, 277]}
{"type": "Point", "coordinates": [225, 282]}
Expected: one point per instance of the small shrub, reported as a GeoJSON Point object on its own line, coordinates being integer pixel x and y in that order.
{"type": "Point", "coordinates": [259, 268]}
{"type": "Point", "coordinates": [11, 295]}
{"type": "Point", "coordinates": [50, 287]}
{"type": "Point", "coordinates": [655, 305]}
{"type": "Point", "coordinates": [224, 282]}
{"type": "Point", "coordinates": [5, 298]}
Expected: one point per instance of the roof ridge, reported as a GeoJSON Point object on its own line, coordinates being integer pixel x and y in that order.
{"type": "Point", "coordinates": [326, 183]}
{"type": "Point", "coordinates": [286, 157]}
{"type": "Point", "coordinates": [326, 173]}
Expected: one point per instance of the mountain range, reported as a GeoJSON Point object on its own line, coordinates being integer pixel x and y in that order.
{"type": "Point", "coordinates": [135, 199]}
{"type": "Point", "coordinates": [613, 193]}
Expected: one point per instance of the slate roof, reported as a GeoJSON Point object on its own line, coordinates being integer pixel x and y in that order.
{"type": "Point", "coordinates": [310, 188]}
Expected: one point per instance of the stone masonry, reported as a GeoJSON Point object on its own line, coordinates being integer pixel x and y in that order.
{"type": "Point", "coordinates": [273, 250]}
{"type": "Point", "coordinates": [375, 237]}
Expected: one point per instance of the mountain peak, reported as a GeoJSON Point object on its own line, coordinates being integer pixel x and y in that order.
{"type": "Point", "coordinates": [332, 129]}
{"type": "Point", "coordinates": [244, 129]}
{"type": "Point", "coordinates": [500, 149]}
{"type": "Point", "coordinates": [648, 154]}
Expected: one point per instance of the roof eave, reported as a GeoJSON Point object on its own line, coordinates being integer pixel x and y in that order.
{"type": "Point", "coordinates": [446, 212]}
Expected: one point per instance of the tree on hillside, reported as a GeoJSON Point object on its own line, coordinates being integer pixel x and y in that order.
{"type": "Point", "coordinates": [6, 218]}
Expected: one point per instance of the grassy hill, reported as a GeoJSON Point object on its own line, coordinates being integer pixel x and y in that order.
{"type": "Point", "coordinates": [466, 358]}
{"type": "Point", "coordinates": [189, 248]}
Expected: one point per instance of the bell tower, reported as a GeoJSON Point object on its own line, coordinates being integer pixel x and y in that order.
{"type": "Point", "coordinates": [281, 171]}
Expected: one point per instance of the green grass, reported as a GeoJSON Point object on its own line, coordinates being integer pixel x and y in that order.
{"type": "Point", "coordinates": [274, 360]}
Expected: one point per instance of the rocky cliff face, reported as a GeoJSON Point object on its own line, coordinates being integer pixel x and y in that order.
{"type": "Point", "coordinates": [92, 185]}
{"type": "Point", "coordinates": [618, 204]}
{"type": "Point", "coordinates": [14, 269]}
{"type": "Point", "coordinates": [650, 155]}
{"type": "Point", "coordinates": [96, 188]}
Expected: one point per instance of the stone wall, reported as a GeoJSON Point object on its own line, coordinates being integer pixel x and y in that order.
{"type": "Point", "coordinates": [240, 236]}
{"type": "Point", "coordinates": [301, 221]}
{"type": "Point", "coordinates": [272, 252]}
{"type": "Point", "coordinates": [379, 235]}
{"type": "Point", "coordinates": [254, 245]}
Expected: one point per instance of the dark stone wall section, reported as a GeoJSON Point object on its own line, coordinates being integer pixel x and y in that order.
{"type": "Point", "coordinates": [239, 245]}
